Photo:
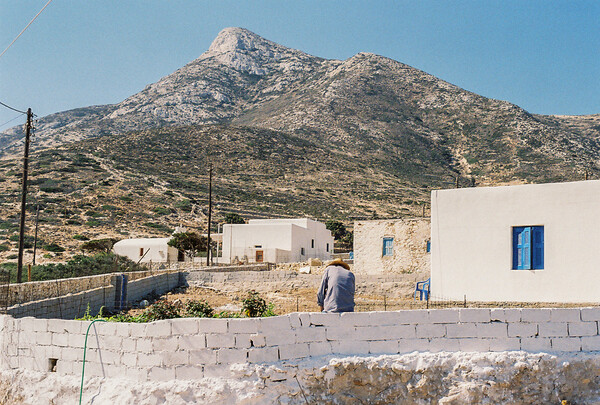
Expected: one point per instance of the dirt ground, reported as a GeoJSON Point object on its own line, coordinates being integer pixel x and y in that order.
{"type": "Point", "coordinates": [304, 300]}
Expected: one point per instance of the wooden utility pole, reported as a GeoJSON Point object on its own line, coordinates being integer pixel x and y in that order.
{"type": "Point", "coordinates": [37, 216]}
{"type": "Point", "coordinates": [209, 214]}
{"type": "Point", "coordinates": [24, 196]}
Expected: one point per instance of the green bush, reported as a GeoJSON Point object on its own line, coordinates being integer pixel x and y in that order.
{"type": "Point", "coordinates": [254, 305]}
{"type": "Point", "coordinates": [53, 247]}
{"type": "Point", "coordinates": [161, 211]}
{"type": "Point", "coordinates": [199, 309]}
{"type": "Point", "coordinates": [161, 309]}
{"type": "Point", "coordinates": [80, 237]}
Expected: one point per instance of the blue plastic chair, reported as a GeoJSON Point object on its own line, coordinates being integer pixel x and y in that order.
{"type": "Point", "coordinates": [422, 289]}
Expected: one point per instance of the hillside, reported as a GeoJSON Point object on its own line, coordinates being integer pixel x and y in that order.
{"type": "Point", "coordinates": [288, 134]}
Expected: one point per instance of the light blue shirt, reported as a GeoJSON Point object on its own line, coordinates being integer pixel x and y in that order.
{"type": "Point", "coordinates": [336, 293]}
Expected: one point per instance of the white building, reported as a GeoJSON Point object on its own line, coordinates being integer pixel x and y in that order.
{"type": "Point", "coordinates": [276, 241]}
{"type": "Point", "coordinates": [391, 246]}
{"type": "Point", "coordinates": [517, 243]}
{"type": "Point", "coordinates": [144, 250]}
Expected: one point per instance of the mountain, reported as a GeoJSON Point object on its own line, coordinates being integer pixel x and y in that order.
{"type": "Point", "coordinates": [288, 134]}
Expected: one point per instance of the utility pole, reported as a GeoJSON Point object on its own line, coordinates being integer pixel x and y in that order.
{"type": "Point", "coordinates": [37, 216]}
{"type": "Point", "coordinates": [24, 196]}
{"type": "Point", "coordinates": [209, 214]}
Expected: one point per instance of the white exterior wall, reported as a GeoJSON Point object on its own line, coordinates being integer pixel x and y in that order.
{"type": "Point", "coordinates": [157, 248]}
{"type": "Point", "coordinates": [409, 246]}
{"type": "Point", "coordinates": [471, 242]}
{"type": "Point", "coordinates": [281, 240]}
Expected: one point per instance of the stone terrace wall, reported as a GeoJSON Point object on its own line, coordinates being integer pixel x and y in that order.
{"type": "Point", "coordinates": [70, 306]}
{"type": "Point", "coordinates": [194, 348]}
{"type": "Point", "coordinates": [39, 290]}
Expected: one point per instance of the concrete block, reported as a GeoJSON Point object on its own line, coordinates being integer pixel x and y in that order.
{"type": "Point", "coordinates": [536, 344]}
{"type": "Point", "coordinates": [444, 315]}
{"type": "Point", "coordinates": [536, 314]}
{"type": "Point", "coordinates": [124, 330]}
{"type": "Point", "coordinates": [304, 319]}
{"type": "Point", "coordinates": [504, 344]}
{"type": "Point", "coordinates": [230, 356]}
{"type": "Point", "coordinates": [44, 338]}
{"type": "Point", "coordinates": [219, 341]}
{"type": "Point", "coordinates": [383, 347]}
{"type": "Point", "coordinates": [110, 356]}
{"type": "Point", "coordinates": [129, 359]}
{"type": "Point", "coordinates": [274, 324]}
{"type": "Point", "coordinates": [311, 334]}
{"type": "Point", "coordinates": [389, 332]}
{"type": "Point", "coordinates": [566, 344]}
{"type": "Point", "coordinates": [350, 347]}
{"type": "Point", "coordinates": [355, 318]}
{"type": "Point", "coordinates": [137, 330]}
{"type": "Point", "coordinates": [590, 314]}
{"type": "Point", "coordinates": [175, 358]}
{"type": "Point", "coordinates": [242, 341]}
{"type": "Point", "coordinates": [582, 328]}
{"type": "Point", "coordinates": [128, 344]}
{"type": "Point", "coordinates": [444, 345]}
{"type": "Point", "coordinates": [137, 374]}
{"type": "Point", "coordinates": [59, 326]}
{"type": "Point", "coordinates": [319, 349]}
{"type": "Point", "coordinates": [263, 355]}
{"type": "Point", "coordinates": [40, 325]}
{"type": "Point", "coordinates": [474, 315]}
{"type": "Point", "coordinates": [187, 326]}
{"type": "Point", "coordinates": [474, 345]}
{"type": "Point", "coordinates": [60, 339]}
{"type": "Point", "coordinates": [144, 345]}
{"type": "Point", "coordinates": [283, 337]}
{"type": "Point", "coordinates": [565, 315]}
{"type": "Point", "coordinates": [208, 325]}
{"type": "Point", "coordinates": [166, 344]}
{"type": "Point", "coordinates": [103, 328]}
{"type": "Point", "coordinates": [189, 372]}
{"type": "Point", "coordinates": [192, 342]}
{"type": "Point", "coordinates": [430, 331]}
{"type": "Point", "coordinates": [295, 320]}
{"type": "Point", "coordinates": [64, 367]}
{"type": "Point", "coordinates": [411, 345]}
{"type": "Point", "coordinates": [341, 333]}
{"type": "Point", "coordinates": [293, 351]}
{"type": "Point", "coordinates": [161, 374]}
{"type": "Point", "coordinates": [27, 324]}
{"type": "Point", "coordinates": [553, 329]}
{"type": "Point", "coordinates": [159, 328]}
{"type": "Point", "coordinates": [217, 371]}
{"type": "Point", "coordinates": [203, 356]}
{"type": "Point", "coordinates": [400, 317]}
{"type": "Point", "coordinates": [149, 360]}
{"type": "Point", "coordinates": [522, 329]}
{"type": "Point", "coordinates": [244, 325]}
{"type": "Point", "coordinates": [461, 330]}
{"type": "Point", "coordinates": [590, 343]}
{"type": "Point", "coordinates": [110, 342]}
{"type": "Point", "coordinates": [258, 340]}
{"type": "Point", "coordinates": [492, 330]}
{"type": "Point", "coordinates": [325, 319]}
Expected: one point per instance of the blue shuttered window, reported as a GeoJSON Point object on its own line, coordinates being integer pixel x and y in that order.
{"type": "Point", "coordinates": [388, 247]}
{"type": "Point", "coordinates": [528, 247]}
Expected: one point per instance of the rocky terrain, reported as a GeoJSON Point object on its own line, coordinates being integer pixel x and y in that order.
{"type": "Point", "coordinates": [288, 134]}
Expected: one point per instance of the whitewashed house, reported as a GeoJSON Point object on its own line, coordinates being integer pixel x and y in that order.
{"type": "Point", "coordinates": [144, 250]}
{"type": "Point", "coordinates": [517, 243]}
{"type": "Point", "coordinates": [391, 246]}
{"type": "Point", "coordinates": [276, 241]}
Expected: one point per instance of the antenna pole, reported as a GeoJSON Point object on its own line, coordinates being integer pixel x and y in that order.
{"type": "Point", "coordinates": [209, 214]}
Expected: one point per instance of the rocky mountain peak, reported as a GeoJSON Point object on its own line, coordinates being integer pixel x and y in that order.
{"type": "Point", "coordinates": [235, 39]}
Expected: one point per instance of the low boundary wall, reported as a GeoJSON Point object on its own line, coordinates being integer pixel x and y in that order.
{"type": "Point", "coordinates": [194, 347]}
{"type": "Point", "coordinates": [74, 305]}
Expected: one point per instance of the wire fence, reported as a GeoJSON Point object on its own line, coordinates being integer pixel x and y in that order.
{"type": "Point", "coordinates": [4, 289]}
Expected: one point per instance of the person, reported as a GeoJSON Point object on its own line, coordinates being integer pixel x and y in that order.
{"type": "Point", "coordinates": [336, 293]}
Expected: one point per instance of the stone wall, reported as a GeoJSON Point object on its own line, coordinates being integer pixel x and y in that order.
{"type": "Point", "coordinates": [193, 348]}
{"type": "Point", "coordinates": [409, 246]}
{"type": "Point", "coordinates": [70, 306]}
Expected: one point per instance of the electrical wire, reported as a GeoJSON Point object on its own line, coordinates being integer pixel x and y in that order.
{"type": "Point", "coordinates": [12, 108]}
{"type": "Point", "coordinates": [27, 26]}
{"type": "Point", "coordinates": [9, 121]}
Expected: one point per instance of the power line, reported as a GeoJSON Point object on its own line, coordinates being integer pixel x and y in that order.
{"type": "Point", "coordinates": [12, 108]}
{"type": "Point", "coordinates": [18, 116]}
{"type": "Point", "coordinates": [27, 26]}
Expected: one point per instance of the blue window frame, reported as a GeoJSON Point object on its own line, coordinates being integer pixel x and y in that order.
{"type": "Point", "coordinates": [388, 247]}
{"type": "Point", "coordinates": [428, 246]}
{"type": "Point", "coordinates": [528, 247]}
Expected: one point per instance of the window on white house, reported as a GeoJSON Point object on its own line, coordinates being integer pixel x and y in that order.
{"type": "Point", "coordinates": [528, 247]}
{"type": "Point", "coordinates": [302, 251]}
{"type": "Point", "coordinates": [388, 247]}
{"type": "Point", "coordinates": [141, 252]}
{"type": "Point", "coordinates": [312, 243]}
{"type": "Point", "coordinates": [327, 248]}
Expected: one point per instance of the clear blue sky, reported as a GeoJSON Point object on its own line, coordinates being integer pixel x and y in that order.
{"type": "Point", "coordinates": [541, 55]}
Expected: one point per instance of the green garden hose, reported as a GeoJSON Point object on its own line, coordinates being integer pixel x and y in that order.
{"type": "Point", "coordinates": [84, 349]}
